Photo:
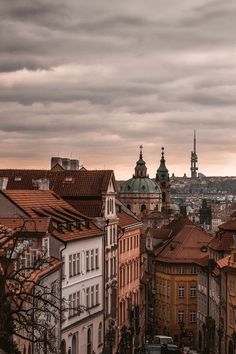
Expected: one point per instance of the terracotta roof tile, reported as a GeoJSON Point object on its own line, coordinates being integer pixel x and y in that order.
{"type": "Point", "coordinates": [46, 203]}
{"type": "Point", "coordinates": [177, 224]}
{"type": "Point", "coordinates": [91, 208]}
{"type": "Point", "coordinates": [222, 241]}
{"type": "Point", "coordinates": [185, 246]}
{"type": "Point", "coordinates": [38, 225]}
{"type": "Point", "coordinates": [127, 219]}
{"type": "Point", "coordinates": [223, 262]}
{"type": "Point", "coordinates": [65, 183]}
{"type": "Point", "coordinates": [228, 226]}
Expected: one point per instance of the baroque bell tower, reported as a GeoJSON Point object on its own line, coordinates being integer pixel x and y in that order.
{"type": "Point", "coordinates": [163, 179]}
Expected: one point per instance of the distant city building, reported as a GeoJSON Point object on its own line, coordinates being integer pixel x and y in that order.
{"type": "Point", "coordinates": [205, 215]}
{"type": "Point", "coordinates": [194, 159]}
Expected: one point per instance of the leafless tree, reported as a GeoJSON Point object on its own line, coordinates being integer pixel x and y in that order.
{"type": "Point", "coordinates": [30, 309]}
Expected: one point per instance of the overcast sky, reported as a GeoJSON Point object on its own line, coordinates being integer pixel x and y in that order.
{"type": "Point", "coordinates": [95, 79]}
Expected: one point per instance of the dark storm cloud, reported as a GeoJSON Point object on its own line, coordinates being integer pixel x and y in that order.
{"type": "Point", "coordinates": [96, 79]}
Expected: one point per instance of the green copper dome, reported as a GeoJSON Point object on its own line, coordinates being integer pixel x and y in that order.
{"type": "Point", "coordinates": [140, 185]}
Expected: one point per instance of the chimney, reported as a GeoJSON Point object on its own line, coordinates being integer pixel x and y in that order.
{"type": "Point", "coordinates": [74, 165]}
{"type": "Point", "coordinates": [55, 161]}
{"type": "Point", "coordinates": [66, 164]}
{"type": "Point", "coordinates": [3, 183]}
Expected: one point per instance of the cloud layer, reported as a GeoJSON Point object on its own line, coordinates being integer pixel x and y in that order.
{"type": "Point", "coordinates": [94, 80]}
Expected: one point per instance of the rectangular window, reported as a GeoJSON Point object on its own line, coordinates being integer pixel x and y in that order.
{"type": "Point", "coordinates": [131, 242]}
{"type": "Point", "coordinates": [111, 267]}
{"type": "Point", "coordinates": [97, 294]}
{"type": "Point", "coordinates": [96, 258]}
{"type": "Point", "coordinates": [114, 265]}
{"type": "Point", "coordinates": [121, 281]}
{"type": "Point", "coordinates": [193, 291]}
{"type": "Point", "coordinates": [78, 264]}
{"type": "Point", "coordinates": [192, 316]}
{"type": "Point", "coordinates": [181, 291]}
{"type": "Point", "coordinates": [181, 316]}
{"type": "Point", "coordinates": [70, 306]}
{"type": "Point", "coordinates": [193, 270]}
{"type": "Point", "coordinates": [74, 310]}
{"type": "Point", "coordinates": [92, 259]}
{"type": "Point", "coordinates": [70, 265]}
{"type": "Point", "coordinates": [111, 235]}
{"type": "Point", "coordinates": [127, 244]}
{"type": "Point", "coordinates": [74, 265]}
{"type": "Point", "coordinates": [181, 269]}
{"type": "Point", "coordinates": [106, 237]}
{"type": "Point", "coordinates": [87, 298]}
{"type": "Point", "coordinates": [92, 296]}
{"type": "Point", "coordinates": [78, 301]}
{"type": "Point", "coordinates": [87, 262]}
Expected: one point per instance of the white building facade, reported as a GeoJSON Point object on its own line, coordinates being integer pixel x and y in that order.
{"type": "Point", "coordinates": [82, 287]}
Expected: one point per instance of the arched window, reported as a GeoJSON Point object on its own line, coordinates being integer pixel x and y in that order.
{"type": "Point", "coordinates": [143, 207]}
{"type": "Point", "coordinates": [89, 341]}
{"type": "Point", "coordinates": [74, 344]}
{"type": "Point", "coordinates": [100, 333]}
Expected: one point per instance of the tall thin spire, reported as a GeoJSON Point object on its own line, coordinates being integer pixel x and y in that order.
{"type": "Point", "coordinates": [140, 168]}
{"type": "Point", "coordinates": [162, 171]}
{"type": "Point", "coordinates": [194, 158]}
{"type": "Point", "coordinates": [141, 152]}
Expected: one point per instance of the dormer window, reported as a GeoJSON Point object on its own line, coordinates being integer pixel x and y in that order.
{"type": "Point", "coordinates": [68, 179]}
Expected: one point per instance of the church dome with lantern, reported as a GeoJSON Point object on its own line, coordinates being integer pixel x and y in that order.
{"type": "Point", "coordinates": [140, 192]}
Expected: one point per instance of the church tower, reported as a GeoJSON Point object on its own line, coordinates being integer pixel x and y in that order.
{"type": "Point", "coordinates": [194, 158]}
{"type": "Point", "coordinates": [163, 179]}
{"type": "Point", "coordinates": [140, 168]}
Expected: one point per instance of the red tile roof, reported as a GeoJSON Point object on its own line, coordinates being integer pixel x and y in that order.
{"type": "Point", "coordinates": [91, 208]}
{"type": "Point", "coordinates": [222, 241]}
{"type": "Point", "coordinates": [126, 219]}
{"type": "Point", "coordinates": [161, 233]}
{"type": "Point", "coordinates": [185, 246]}
{"type": "Point", "coordinates": [65, 183]}
{"type": "Point", "coordinates": [38, 225]}
{"type": "Point", "coordinates": [47, 204]}
{"type": "Point", "coordinates": [177, 224]}
{"type": "Point", "coordinates": [223, 262]}
{"type": "Point", "coordinates": [31, 200]}
{"type": "Point", "coordinates": [228, 225]}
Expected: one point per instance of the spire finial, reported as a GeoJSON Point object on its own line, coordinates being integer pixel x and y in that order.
{"type": "Point", "coordinates": [141, 152]}
{"type": "Point", "coordinates": [162, 153]}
